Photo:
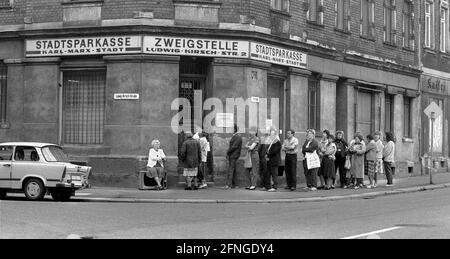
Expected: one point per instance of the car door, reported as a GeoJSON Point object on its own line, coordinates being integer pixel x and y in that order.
{"type": "Point", "coordinates": [5, 166]}
{"type": "Point", "coordinates": [31, 164]}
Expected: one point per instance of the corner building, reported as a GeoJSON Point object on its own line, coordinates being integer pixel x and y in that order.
{"type": "Point", "coordinates": [100, 77]}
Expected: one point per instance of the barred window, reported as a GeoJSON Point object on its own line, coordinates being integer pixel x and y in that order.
{"type": "Point", "coordinates": [407, 132]}
{"type": "Point", "coordinates": [389, 112]}
{"type": "Point", "coordinates": [84, 106]}
{"type": "Point", "coordinates": [314, 104]}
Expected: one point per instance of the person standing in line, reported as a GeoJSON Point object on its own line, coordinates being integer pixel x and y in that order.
{"type": "Point", "coordinates": [339, 163]}
{"type": "Point", "coordinates": [252, 169]}
{"type": "Point", "coordinates": [357, 150]}
{"type": "Point", "coordinates": [191, 156]}
{"type": "Point", "coordinates": [290, 147]}
{"type": "Point", "coordinates": [379, 163]}
{"type": "Point", "coordinates": [274, 156]}
{"type": "Point", "coordinates": [233, 154]}
{"type": "Point", "coordinates": [371, 159]}
{"type": "Point", "coordinates": [327, 165]}
{"type": "Point", "coordinates": [205, 148]}
{"type": "Point", "coordinates": [322, 148]}
{"type": "Point", "coordinates": [311, 145]}
{"type": "Point", "coordinates": [263, 180]}
{"type": "Point", "coordinates": [388, 158]}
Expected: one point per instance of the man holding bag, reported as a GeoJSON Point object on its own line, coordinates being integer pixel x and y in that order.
{"type": "Point", "coordinates": [311, 163]}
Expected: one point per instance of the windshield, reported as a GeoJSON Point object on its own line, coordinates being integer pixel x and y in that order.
{"type": "Point", "coordinates": [54, 154]}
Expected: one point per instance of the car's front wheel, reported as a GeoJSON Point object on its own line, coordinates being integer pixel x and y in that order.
{"type": "Point", "coordinates": [61, 195]}
{"type": "Point", "coordinates": [34, 189]}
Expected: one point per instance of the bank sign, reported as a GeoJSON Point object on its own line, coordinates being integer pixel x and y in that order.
{"type": "Point", "coordinates": [83, 46]}
{"type": "Point", "coordinates": [277, 55]}
{"type": "Point", "coordinates": [180, 46]}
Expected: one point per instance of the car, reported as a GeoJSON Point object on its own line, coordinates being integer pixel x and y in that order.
{"type": "Point", "coordinates": [37, 169]}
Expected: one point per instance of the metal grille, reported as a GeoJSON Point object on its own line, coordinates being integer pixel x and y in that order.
{"type": "Point", "coordinates": [84, 106]}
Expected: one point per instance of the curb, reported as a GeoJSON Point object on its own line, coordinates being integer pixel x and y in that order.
{"type": "Point", "coordinates": [369, 195]}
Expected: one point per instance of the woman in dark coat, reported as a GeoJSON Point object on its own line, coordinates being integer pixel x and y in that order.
{"type": "Point", "coordinates": [311, 145]}
{"type": "Point", "coordinates": [274, 156]}
{"type": "Point", "coordinates": [191, 156]}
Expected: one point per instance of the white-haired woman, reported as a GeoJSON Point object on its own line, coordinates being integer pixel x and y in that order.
{"type": "Point", "coordinates": [155, 165]}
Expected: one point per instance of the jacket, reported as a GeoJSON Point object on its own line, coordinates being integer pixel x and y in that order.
{"type": "Point", "coordinates": [371, 151]}
{"type": "Point", "coordinates": [341, 147]}
{"type": "Point", "coordinates": [234, 150]}
{"type": "Point", "coordinates": [154, 156]}
{"type": "Point", "coordinates": [274, 154]}
{"type": "Point", "coordinates": [191, 153]}
{"type": "Point", "coordinates": [313, 146]}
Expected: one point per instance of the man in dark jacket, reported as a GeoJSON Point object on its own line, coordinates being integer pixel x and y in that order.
{"type": "Point", "coordinates": [233, 154]}
{"type": "Point", "coordinates": [341, 149]}
{"type": "Point", "coordinates": [191, 156]}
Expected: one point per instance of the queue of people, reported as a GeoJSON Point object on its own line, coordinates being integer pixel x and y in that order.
{"type": "Point", "coordinates": [323, 160]}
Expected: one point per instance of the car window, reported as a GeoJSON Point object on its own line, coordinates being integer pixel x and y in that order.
{"type": "Point", "coordinates": [26, 153]}
{"type": "Point", "coordinates": [6, 152]}
{"type": "Point", "coordinates": [54, 154]}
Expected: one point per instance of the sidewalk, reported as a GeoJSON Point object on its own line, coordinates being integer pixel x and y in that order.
{"type": "Point", "coordinates": [240, 195]}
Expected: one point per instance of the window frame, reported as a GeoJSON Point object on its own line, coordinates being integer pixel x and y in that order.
{"type": "Point", "coordinates": [443, 26]}
{"type": "Point", "coordinates": [318, 11]}
{"type": "Point", "coordinates": [389, 99]}
{"type": "Point", "coordinates": [314, 87]}
{"type": "Point", "coordinates": [408, 36]}
{"type": "Point", "coordinates": [342, 15]}
{"type": "Point", "coordinates": [367, 24]}
{"type": "Point", "coordinates": [390, 22]}
{"type": "Point", "coordinates": [407, 118]}
{"type": "Point", "coordinates": [428, 23]}
{"type": "Point", "coordinates": [280, 5]}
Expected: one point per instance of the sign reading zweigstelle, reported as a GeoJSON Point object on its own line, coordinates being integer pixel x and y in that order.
{"type": "Point", "coordinates": [277, 55]}
{"type": "Point", "coordinates": [180, 46]}
{"type": "Point", "coordinates": [83, 46]}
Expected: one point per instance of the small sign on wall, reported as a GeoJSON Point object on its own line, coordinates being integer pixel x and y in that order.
{"type": "Point", "coordinates": [224, 120]}
{"type": "Point", "coordinates": [123, 96]}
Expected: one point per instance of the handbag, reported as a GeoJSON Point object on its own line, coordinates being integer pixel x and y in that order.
{"type": "Point", "coordinates": [348, 164]}
{"type": "Point", "coordinates": [248, 160]}
{"type": "Point", "coordinates": [312, 160]}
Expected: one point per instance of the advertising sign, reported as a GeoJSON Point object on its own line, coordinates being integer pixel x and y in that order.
{"type": "Point", "coordinates": [180, 46]}
{"type": "Point", "coordinates": [277, 55]}
{"type": "Point", "coordinates": [83, 46]}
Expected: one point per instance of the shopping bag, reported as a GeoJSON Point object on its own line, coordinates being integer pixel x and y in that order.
{"type": "Point", "coordinates": [348, 164]}
{"type": "Point", "coordinates": [248, 160]}
{"type": "Point", "coordinates": [312, 160]}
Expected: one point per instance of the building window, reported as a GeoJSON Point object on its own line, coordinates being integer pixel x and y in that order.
{"type": "Point", "coordinates": [342, 14]}
{"type": "Point", "coordinates": [389, 112]}
{"type": "Point", "coordinates": [3, 88]}
{"type": "Point", "coordinates": [407, 117]}
{"type": "Point", "coordinates": [429, 39]}
{"type": "Point", "coordinates": [6, 3]}
{"type": "Point", "coordinates": [314, 104]}
{"type": "Point", "coordinates": [408, 24]}
{"type": "Point", "coordinates": [390, 21]}
{"type": "Point", "coordinates": [280, 5]}
{"type": "Point", "coordinates": [444, 26]}
{"type": "Point", "coordinates": [367, 18]}
{"type": "Point", "coordinates": [84, 106]}
{"type": "Point", "coordinates": [315, 11]}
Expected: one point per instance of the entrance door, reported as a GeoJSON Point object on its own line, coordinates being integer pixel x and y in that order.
{"type": "Point", "coordinates": [364, 122]}
{"type": "Point", "coordinates": [275, 103]}
{"type": "Point", "coordinates": [193, 89]}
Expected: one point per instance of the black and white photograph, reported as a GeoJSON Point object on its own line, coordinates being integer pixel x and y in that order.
{"type": "Point", "coordinates": [224, 126]}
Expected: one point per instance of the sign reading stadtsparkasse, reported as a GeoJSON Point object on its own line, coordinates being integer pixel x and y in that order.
{"type": "Point", "coordinates": [126, 96]}
{"type": "Point", "coordinates": [181, 46]}
{"type": "Point", "coordinates": [83, 46]}
{"type": "Point", "coordinates": [277, 55]}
